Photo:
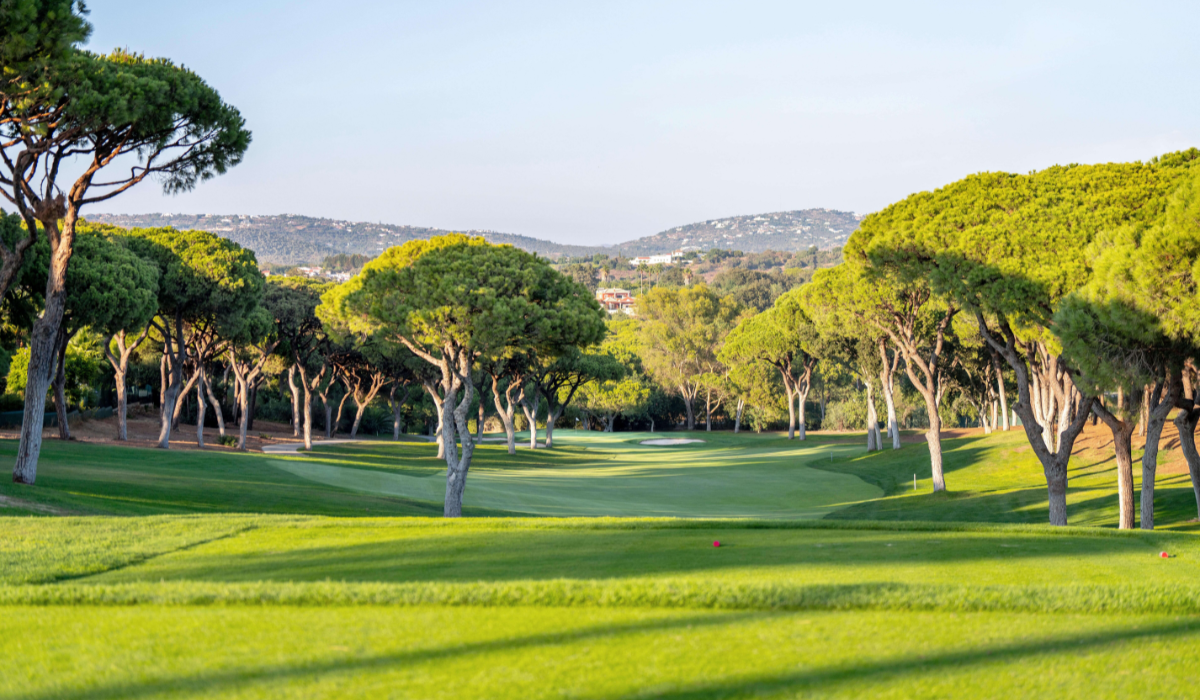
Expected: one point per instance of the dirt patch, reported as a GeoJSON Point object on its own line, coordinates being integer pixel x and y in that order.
{"type": "Point", "coordinates": [21, 504]}
{"type": "Point", "coordinates": [142, 428]}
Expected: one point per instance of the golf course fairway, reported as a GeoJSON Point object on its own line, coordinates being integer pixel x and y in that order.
{"type": "Point", "coordinates": [606, 474]}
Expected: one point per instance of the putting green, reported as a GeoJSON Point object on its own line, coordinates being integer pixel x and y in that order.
{"type": "Point", "coordinates": [725, 477]}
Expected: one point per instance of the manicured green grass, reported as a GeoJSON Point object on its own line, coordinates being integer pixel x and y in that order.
{"type": "Point", "coordinates": [101, 479]}
{"type": "Point", "coordinates": [155, 652]}
{"type": "Point", "coordinates": [918, 602]}
{"type": "Point", "coordinates": [275, 606]}
{"type": "Point", "coordinates": [998, 479]}
{"type": "Point", "coordinates": [390, 550]}
{"type": "Point", "coordinates": [39, 550]}
{"type": "Point", "coordinates": [598, 474]}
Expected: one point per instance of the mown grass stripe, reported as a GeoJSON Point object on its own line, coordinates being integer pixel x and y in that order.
{"type": "Point", "coordinates": [628, 593]}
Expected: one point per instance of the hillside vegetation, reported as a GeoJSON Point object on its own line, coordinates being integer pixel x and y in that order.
{"type": "Point", "coordinates": [288, 239]}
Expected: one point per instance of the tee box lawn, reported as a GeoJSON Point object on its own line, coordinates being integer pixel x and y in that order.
{"type": "Point", "coordinates": [231, 575]}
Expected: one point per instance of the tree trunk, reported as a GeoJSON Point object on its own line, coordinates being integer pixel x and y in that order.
{"type": "Point", "coordinates": [458, 462]}
{"type": "Point", "coordinates": [328, 418]}
{"type": "Point", "coordinates": [1123, 444]}
{"type": "Point", "coordinates": [1161, 400]}
{"type": "Point", "coordinates": [1122, 432]}
{"type": "Point", "coordinates": [297, 418]}
{"type": "Point", "coordinates": [120, 365]}
{"type": "Point", "coordinates": [1054, 462]}
{"type": "Point", "coordinates": [530, 408]}
{"type": "Point", "coordinates": [691, 414]}
{"type": "Point", "coordinates": [358, 414]}
{"type": "Point", "coordinates": [551, 416]}
{"type": "Point", "coordinates": [252, 405]}
{"type": "Point", "coordinates": [506, 410]}
{"type": "Point", "coordinates": [42, 347]}
{"type": "Point", "coordinates": [1000, 391]}
{"type": "Point", "coordinates": [60, 387]}
{"type": "Point", "coordinates": [889, 400]}
{"type": "Point", "coordinates": [200, 406]}
{"type": "Point", "coordinates": [887, 383]}
{"type": "Point", "coordinates": [166, 415]}
{"type": "Point", "coordinates": [122, 402]}
{"type": "Point", "coordinates": [737, 421]}
{"type": "Point", "coordinates": [337, 421]}
{"type": "Point", "coordinates": [244, 419]}
{"type": "Point", "coordinates": [308, 402]}
{"type": "Point", "coordinates": [164, 369]}
{"type": "Point", "coordinates": [872, 422]}
{"type": "Point", "coordinates": [395, 406]}
{"type": "Point", "coordinates": [791, 411]}
{"type": "Point", "coordinates": [212, 398]}
{"type": "Point", "coordinates": [1186, 423]}
{"type": "Point", "coordinates": [181, 402]}
{"type": "Point", "coordinates": [801, 430]}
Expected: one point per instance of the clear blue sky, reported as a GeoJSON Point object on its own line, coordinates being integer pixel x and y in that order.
{"type": "Point", "coordinates": [599, 122]}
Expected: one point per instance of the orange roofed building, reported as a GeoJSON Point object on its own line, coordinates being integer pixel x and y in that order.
{"type": "Point", "coordinates": [615, 300]}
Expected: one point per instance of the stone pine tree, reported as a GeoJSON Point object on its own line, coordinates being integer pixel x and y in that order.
{"type": "Point", "coordinates": [209, 287]}
{"type": "Point", "coordinates": [558, 379]}
{"type": "Point", "coordinates": [111, 290]}
{"type": "Point", "coordinates": [779, 337]}
{"type": "Point", "coordinates": [112, 121]}
{"type": "Point", "coordinates": [293, 302]}
{"type": "Point", "coordinates": [507, 371]}
{"type": "Point", "coordinates": [868, 305]}
{"type": "Point", "coordinates": [1116, 349]}
{"type": "Point", "coordinates": [1134, 328]}
{"type": "Point", "coordinates": [452, 299]}
{"type": "Point", "coordinates": [1007, 248]}
{"type": "Point", "coordinates": [681, 334]}
{"type": "Point", "coordinates": [37, 41]}
{"type": "Point", "coordinates": [249, 346]}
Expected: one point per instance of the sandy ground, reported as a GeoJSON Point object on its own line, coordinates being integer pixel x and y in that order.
{"type": "Point", "coordinates": [143, 432]}
{"type": "Point", "coordinates": [669, 441]}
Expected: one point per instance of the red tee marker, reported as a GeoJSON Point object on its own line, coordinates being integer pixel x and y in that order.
{"type": "Point", "coordinates": [1164, 555]}
{"type": "Point", "coordinates": [717, 543]}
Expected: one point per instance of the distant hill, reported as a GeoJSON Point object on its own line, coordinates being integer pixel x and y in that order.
{"type": "Point", "coordinates": [784, 231]}
{"type": "Point", "coordinates": [288, 239]}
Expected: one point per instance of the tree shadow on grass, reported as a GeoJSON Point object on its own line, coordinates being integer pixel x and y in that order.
{"type": "Point", "coordinates": [548, 554]}
{"type": "Point", "coordinates": [804, 682]}
{"type": "Point", "coordinates": [229, 680]}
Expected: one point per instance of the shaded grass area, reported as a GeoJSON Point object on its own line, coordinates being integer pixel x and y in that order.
{"type": "Point", "coordinates": [152, 652]}
{"type": "Point", "coordinates": [997, 478]}
{"type": "Point", "coordinates": [621, 562]}
{"type": "Point", "coordinates": [518, 550]}
{"type": "Point", "coordinates": [40, 550]}
{"type": "Point", "coordinates": [104, 479]}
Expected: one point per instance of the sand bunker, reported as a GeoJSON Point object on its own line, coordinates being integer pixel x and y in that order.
{"type": "Point", "coordinates": [669, 441]}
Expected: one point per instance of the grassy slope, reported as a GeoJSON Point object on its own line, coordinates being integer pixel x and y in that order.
{"type": "Point", "coordinates": [998, 479]}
